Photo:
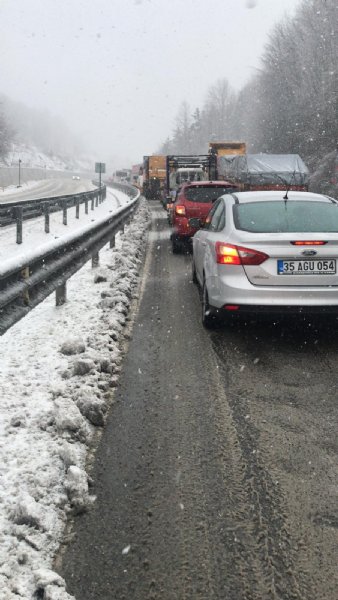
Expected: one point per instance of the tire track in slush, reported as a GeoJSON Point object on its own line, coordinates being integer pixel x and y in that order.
{"type": "Point", "coordinates": [280, 543]}
{"type": "Point", "coordinates": [265, 553]}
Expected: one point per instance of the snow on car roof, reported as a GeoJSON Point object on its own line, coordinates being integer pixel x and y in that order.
{"type": "Point", "coordinates": [207, 183]}
{"type": "Point", "coordinates": [257, 196]}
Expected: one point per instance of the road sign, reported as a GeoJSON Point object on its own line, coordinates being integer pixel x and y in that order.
{"type": "Point", "coordinates": [100, 167]}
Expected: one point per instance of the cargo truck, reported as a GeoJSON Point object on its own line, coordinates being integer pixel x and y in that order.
{"type": "Point", "coordinates": [224, 153]}
{"type": "Point", "coordinates": [227, 148]}
{"type": "Point", "coordinates": [154, 176]}
{"type": "Point", "coordinates": [252, 172]}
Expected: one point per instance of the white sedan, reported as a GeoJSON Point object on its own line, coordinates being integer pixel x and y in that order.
{"type": "Point", "coordinates": [268, 251]}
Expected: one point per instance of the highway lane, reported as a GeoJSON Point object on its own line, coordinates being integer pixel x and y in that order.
{"type": "Point", "coordinates": [216, 474]}
{"type": "Point", "coordinates": [47, 188]}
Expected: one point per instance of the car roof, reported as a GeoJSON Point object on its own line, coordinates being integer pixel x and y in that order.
{"type": "Point", "coordinates": [275, 195]}
{"type": "Point", "coordinates": [207, 183]}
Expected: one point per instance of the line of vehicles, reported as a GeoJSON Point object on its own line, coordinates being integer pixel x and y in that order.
{"type": "Point", "coordinates": [187, 186]}
{"type": "Point", "coordinates": [261, 243]}
{"type": "Point", "coordinates": [160, 176]}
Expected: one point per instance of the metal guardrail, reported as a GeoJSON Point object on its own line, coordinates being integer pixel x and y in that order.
{"type": "Point", "coordinates": [25, 282]}
{"type": "Point", "coordinates": [18, 212]}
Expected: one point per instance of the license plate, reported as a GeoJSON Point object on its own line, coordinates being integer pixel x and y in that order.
{"type": "Point", "coordinates": [306, 267]}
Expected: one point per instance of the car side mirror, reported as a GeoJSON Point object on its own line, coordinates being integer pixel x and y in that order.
{"type": "Point", "coordinates": [195, 223]}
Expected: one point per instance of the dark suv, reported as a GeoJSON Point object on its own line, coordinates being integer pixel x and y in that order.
{"type": "Point", "coordinates": [194, 200]}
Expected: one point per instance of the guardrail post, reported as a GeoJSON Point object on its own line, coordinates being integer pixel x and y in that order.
{"type": "Point", "coordinates": [92, 204]}
{"type": "Point", "coordinates": [64, 211]}
{"type": "Point", "coordinates": [61, 294]}
{"type": "Point", "coordinates": [95, 260]}
{"type": "Point", "coordinates": [18, 216]}
{"type": "Point", "coordinates": [97, 199]}
{"type": "Point", "coordinates": [77, 209]}
{"type": "Point", "coordinates": [112, 242]}
{"type": "Point", "coordinates": [46, 213]}
{"type": "Point", "coordinates": [86, 205]}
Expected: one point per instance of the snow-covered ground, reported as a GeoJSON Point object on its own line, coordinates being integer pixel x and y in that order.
{"type": "Point", "coordinates": [12, 190]}
{"type": "Point", "coordinates": [34, 228]}
{"type": "Point", "coordinates": [58, 368]}
{"type": "Point", "coordinates": [34, 157]}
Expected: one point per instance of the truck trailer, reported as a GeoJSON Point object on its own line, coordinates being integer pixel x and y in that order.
{"type": "Point", "coordinates": [252, 172]}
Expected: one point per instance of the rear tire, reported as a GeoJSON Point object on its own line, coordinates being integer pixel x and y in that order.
{"type": "Point", "coordinates": [193, 272]}
{"type": "Point", "coordinates": [209, 318]}
{"type": "Point", "coordinates": [176, 246]}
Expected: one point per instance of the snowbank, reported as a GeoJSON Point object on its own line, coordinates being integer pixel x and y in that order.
{"type": "Point", "coordinates": [58, 368]}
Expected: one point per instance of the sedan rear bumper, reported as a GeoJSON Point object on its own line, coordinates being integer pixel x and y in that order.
{"type": "Point", "coordinates": [280, 309]}
{"type": "Point", "coordinates": [236, 290]}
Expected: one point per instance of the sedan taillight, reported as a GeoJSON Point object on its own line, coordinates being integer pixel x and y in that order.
{"type": "Point", "coordinates": [228, 254]}
{"type": "Point", "coordinates": [309, 243]}
{"type": "Point", "coordinates": [180, 210]}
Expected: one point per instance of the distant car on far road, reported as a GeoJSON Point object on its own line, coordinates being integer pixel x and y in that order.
{"type": "Point", "coordinates": [76, 177]}
{"type": "Point", "coordinates": [267, 252]}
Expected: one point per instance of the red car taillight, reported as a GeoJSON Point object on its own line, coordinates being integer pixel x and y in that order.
{"type": "Point", "coordinates": [180, 210]}
{"type": "Point", "coordinates": [227, 254]}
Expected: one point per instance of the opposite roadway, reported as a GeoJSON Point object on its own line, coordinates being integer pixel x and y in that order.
{"type": "Point", "coordinates": [216, 475]}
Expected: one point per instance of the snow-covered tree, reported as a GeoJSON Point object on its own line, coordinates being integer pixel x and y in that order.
{"type": "Point", "coordinates": [289, 106]}
{"type": "Point", "coordinates": [6, 137]}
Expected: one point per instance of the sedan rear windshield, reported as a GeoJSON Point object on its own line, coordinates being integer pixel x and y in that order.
{"type": "Point", "coordinates": [286, 216]}
{"type": "Point", "coordinates": [206, 194]}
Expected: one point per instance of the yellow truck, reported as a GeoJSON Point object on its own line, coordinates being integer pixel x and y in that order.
{"type": "Point", "coordinates": [227, 148]}
{"type": "Point", "coordinates": [154, 174]}
{"type": "Point", "coordinates": [224, 153]}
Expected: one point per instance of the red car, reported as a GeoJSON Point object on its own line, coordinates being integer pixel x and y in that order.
{"type": "Point", "coordinates": [194, 200]}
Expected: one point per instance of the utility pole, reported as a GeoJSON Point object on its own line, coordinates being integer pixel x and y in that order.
{"type": "Point", "coordinates": [19, 173]}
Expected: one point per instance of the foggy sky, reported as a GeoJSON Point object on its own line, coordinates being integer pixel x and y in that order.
{"type": "Point", "coordinates": [117, 71]}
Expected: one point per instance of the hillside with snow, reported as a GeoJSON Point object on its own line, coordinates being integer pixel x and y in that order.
{"type": "Point", "coordinates": [33, 157]}
{"type": "Point", "coordinates": [39, 140]}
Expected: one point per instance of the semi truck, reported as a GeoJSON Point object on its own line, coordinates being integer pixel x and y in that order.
{"type": "Point", "coordinates": [181, 168]}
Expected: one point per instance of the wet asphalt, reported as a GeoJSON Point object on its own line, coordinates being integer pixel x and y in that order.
{"type": "Point", "coordinates": [216, 475]}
